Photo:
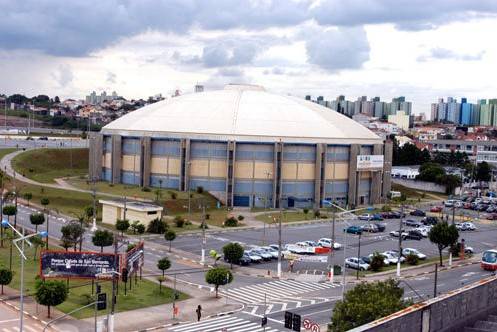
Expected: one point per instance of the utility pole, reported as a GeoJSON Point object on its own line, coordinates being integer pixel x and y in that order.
{"type": "Point", "coordinates": [94, 212]}
{"type": "Point", "coordinates": [279, 238]}
{"type": "Point", "coordinates": [114, 275]}
{"type": "Point", "coordinates": [124, 213]}
{"type": "Point", "coordinates": [202, 261]}
{"type": "Point", "coordinates": [332, 244]}
{"type": "Point", "coordinates": [358, 256]}
{"type": "Point", "coordinates": [400, 240]}
{"type": "Point", "coordinates": [436, 280]}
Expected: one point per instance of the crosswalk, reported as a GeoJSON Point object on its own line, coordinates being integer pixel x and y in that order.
{"type": "Point", "coordinates": [27, 328]}
{"type": "Point", "coordinates": [222, 324]}
{"type": "Point", "coordinates": [274, 290]}
{"type": "Point", "coordinates": [278, 295]}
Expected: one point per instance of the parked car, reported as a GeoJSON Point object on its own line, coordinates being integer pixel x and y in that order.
{"type": "Point", "coordinates": [355, 263]}
{"type": "Point", "coordinates": [311, 243]}
{"type": "Point", "coordinates": [377, 217]}
{"type": "Point", "coordinates": [365, 216]}
{"type": "Point", "coordinates": [458, 204]}
{"type": "Point", "coordinates": [396, 233]}
{"type": "Point", "coordinates": [353, 230]}
{"type": "Point", "coordinates": [429, 220]}
{"type": "Point", "coordinates": [386, 261]}
{"type": "Point", "coordinates": [244, 260]}
{"type": "Point", "coordinates": [271, 251]}
{"type": "Point", "coordinates": [418, 213]}
{"type": "Point", "coordinates": [326, 243]}
{"type": "Point", "coordinates": [295, 249]}
{"type": "Point", "coordinates": [381, 227]}
{"type": "Point", "coordinates": [265, 256]}
{"type": "Point", "coordinates": [468, 250]}
{"type": "Point", "coordinates": [436, 209]}
{"type": "Point", "coordinates": [371, 228]}
{"type": "Point", "coordinates": [397, 215]}
{"type": "Point", "coordinates": [468, 226]}
{"type": "Point", "coordinates": [423, 231]}
{"type": "Point", "coordinates": [467, 205]}
{"type": "Point", "coordinates": [387, 215]}
{"type": "Point", "coordinates": [412, 223]}
{"type": "Point", "coordinates": [308, 249]}
{"type": "Point", "coordinates": [449, 203]}
{"type": "Point", "coordinates": [254, 258]}
{"type": "Point", "coordinates": [43, 138]}
{"type": "Point", "coordinates": [394, 255]}
{"type": "Point", "coordinates": [413, 235]}
{"type": "Point", "coordinates": [409, 251]}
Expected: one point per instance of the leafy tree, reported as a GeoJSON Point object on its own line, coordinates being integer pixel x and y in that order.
{"type": "Point", "coordinates": [161, 279]}
{"type": "Point", "coordinates": [51, 293]}
{"type": "Point", "coordinates": [163, 264]}
{"type": "Point", "coordinates": [443, 236]}
{"type": "Point", "coordinates": [483, 172]}
{"type": "Point", "coordinates": [451, 182]}
{"type": "Point", "coordinates": [27, 196]}
{"type": "Point", "coordinates": [409, 154]}
{"type": "Point", "coordinates": [306, 211]}
{"type": "Point", "coordinates": [231, 222]}
{"type": "Point", "coordinates": [240, 218]}
{"type": "Point", "coordinates": [88, 212]}
{"type": "Point", "coordinates": [367, 302]}
{"type": "Point", "coordinates": [134, 226]}
{"type": "Point", "coordinates": [377, 262]}
{"type": "Point", "coordinates": [200, 190]}
{"type": "Point", "coordinates": [218, 276]}
{"type": "Point", "coordinates": [36, 220]}
{"type": "Point", "coordinates": [232, 252]}
{"type": "Point", "coordinates": [157, 226]}
{"type": "Point", "coordinates": [44, 201]}
{"type": "Point", "coordinates": [9, 210]}
{"type": "Point", "coordinates": [170, 236]}
{"type": "Point", "coordinates": [431, 172]}
{"type": "Point", "coordinates": [5, 277]}
{"type": "Point", "coordinates": [102, 238]}
{"type": "Point", "coordinates": [130, 247]}
{"type": "Point", "coordinates": [72, 233]}
{"type": "Point", "coordinates": [412, 259]}
{"type": "Point", "coordinates": [140, 228]}
{"type": "Point", "coordinates": [179, 221]}
{"type": "Point", "coordinates": [122, 225]}
{"type": "Point", "coordinates": [37, 242]}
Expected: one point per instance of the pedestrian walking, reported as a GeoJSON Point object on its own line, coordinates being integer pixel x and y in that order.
{"type": "Point", "coordinates": [199, 312]}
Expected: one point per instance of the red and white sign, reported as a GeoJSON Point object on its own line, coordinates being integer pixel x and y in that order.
{"type": "Point", "coordinates": [310, 325]}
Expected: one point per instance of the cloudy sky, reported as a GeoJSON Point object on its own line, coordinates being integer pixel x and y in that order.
{"type": "Point", "coordinates": [422, 49]}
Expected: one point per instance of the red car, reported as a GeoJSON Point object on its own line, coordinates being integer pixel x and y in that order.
{"type": "Point", "coordinates": [489, 260]}
{"type": "Point", "coordinates": [467, 206]}
{"type": "Point", "coordinates": [436, 209]}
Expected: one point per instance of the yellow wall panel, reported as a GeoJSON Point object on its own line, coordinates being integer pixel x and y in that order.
{"type": "Point", "coordinates": [341, 171]}
{"type": "Point", "coordinates": [174, 166]}
{"type": "Point", "coordinates": [106, 160]}
{"type": "Point", "coordinates": [306, 171]}
{"type": "Point", "coordinates": [130, 163]}
{"type": "Point", "coordinates": [199, 167]}
{"type": "Point", "coordinates": [217, 169]}
{"type": "Point", "coordinates": [262, 170]}
{"type": "Point", "coordinates": [365, 175]}
{"type": "Point", "coordinates": [244, 169]}
{"type": "Point", "coordinates": [289, 171]}
{"type": "Point", "coordinates": [158, 165]}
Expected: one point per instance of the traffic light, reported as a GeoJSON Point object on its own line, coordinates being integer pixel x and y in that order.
{"type": "Point", "coordinates": [296, 322]}
{"type": "Point", "coordinates": [102, 301]}
{"type": "Point", "coordinates": [288, 319]}
{"type": "Point", "coordinates": [124, 275]}
{"type": "Point", "coordinates": [264, 321]}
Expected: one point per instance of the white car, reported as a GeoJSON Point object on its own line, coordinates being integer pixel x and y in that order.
{"type": "Point", "coordinates": [409, 251]}
{"type": "Point", "coordinates": [295, 249]}
{"type": "Point", "coordinates": [306, 247]}
{"type": "Point", "coordinates": [355, 263]}
{"type": "Point", "coordinates": [365, 216]}
{"type": "Point", "coordinates": [273, 252]}
{"type": "Point", "coordinates": [393, 256]}
{"type": "Point", "coordinates": [326, 243]}
{"type": "Point", "coordinates": [253, 256]}
{"type": "Point", "coordinates": [312, 243]}
{"type": "Point", "coordinates": [265, 255]}
{"type": "Point", "coordinates": [423, 231]}
{"type": "Point", "coordinates": [386, 261]}
{"type": "Point", "coordinates": [468, 226]}
{"type": "Point", "coordinates": [396, 233]}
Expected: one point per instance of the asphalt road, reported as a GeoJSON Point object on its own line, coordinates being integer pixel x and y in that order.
{"type": "Point", "coordinates": [51, 143]}
{"type": "Point", "coordinates": [9, 321]}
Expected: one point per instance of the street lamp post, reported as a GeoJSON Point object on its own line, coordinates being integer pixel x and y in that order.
{"type": "Point", "coordinates": [22, 238]}
{"type": "Point", "coordinates": [359, 256]}
{"type": "Point", "coordinates": [279, 238]}
{"type": "Point", "coordinates": [400, 239]}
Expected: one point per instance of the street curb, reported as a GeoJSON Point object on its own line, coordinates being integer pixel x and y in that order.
{"type": "Point", "coordinates": [441, 269]}
{"type": "Point", "coordinates": [16, 308]}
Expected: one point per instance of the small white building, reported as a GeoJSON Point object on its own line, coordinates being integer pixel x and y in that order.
{"type": "Point", "coordinates": [135, 210]}
{"type": "Point", "coordinates": [405, 172]}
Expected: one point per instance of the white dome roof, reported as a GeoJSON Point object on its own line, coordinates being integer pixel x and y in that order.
{"type": "Point", "coordinates": [242, 113]}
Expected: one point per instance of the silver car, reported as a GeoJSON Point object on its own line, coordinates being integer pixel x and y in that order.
{"type": "Point", "coordinates": [355, 263]}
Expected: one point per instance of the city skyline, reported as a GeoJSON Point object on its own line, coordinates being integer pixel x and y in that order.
{"type": "Point", "coordinates": [324, 48]}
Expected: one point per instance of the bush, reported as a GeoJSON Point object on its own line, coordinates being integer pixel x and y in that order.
{"type": "Point", "coordinates": [306, 211]}
{"type": "Point", "coordinates": [156, 226]}
{"type": "Point", "coordinates": [200, 190]}
{"type": "Point", "coordinates": [317, 213]}
{"type": "Point", "coordinates": [179, 221]}
{"type": "Point", "coordinates": [204, 225]}
{"type": "Point", "coordinates": [240, 218]}
{"type": "Point", "coordinates": [231, 222]}
{"type": "Point", "coordinates": [146, 189]}
{"type": "Point", "coordinates": [386, 208]}
{"type": "Point", "coordinates": [412, 259]}
{"type": "Point", "coordinates": [377, 262]}
{"type": "Point", "coordinates": [140, 228]}
{"type": "Point", "coordinates": [130, 247]}
{"type": "Point", "coordinates": [174, 195]}
{"type": "Point", "coordinates": [207, 216]}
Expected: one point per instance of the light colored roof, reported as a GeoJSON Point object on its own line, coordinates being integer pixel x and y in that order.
{"type": "Point", "coordinates": [242, 113]}
{"type": "Point", "coordinates": [132, 205]}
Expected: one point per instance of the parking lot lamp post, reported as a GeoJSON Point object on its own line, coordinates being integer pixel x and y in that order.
{"type": "Point", "coordinates": [332, 244]}
{"type": "Point", "coordinates": [279, 238]}
{"type": "Point", "coordinates": [202, 260]}
{"type": "Point", "coordinates": [22, 238]}
{"type": "Point", "coordinates": [359, 256]}
{"type": "Point", "coordinates": [400, 240]}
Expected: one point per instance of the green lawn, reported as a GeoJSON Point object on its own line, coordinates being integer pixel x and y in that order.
{"type": "Point", "coordinates": [44, 165]}
{"type": "Point", "coordinates": [145, 294]}
{"type": "Point", "coordinates": [4, 152]}
{"type": "Point", "coordinates": [288, 216]}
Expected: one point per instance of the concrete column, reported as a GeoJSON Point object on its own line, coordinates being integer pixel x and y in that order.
{"type": "Point", "coordinates": [116, 158]}
{"type": "Point", "coordinates": [317, 176]}
{"type": "Point", "coordinates": [275, 172]}
{"type": "Point", "coordinates": [354, 151]}
{"type": "Point", "coordinates": [95, 156]}
{"type": "Point", "coordinates": [145, 160]}
{"type": "Point", "coordinates": [387, 168]}
{"type": "Point", "coordinates": [185, 168]}
{"type": "Point", "coordinates": [376, 178]}
{"type": "Point", "coordinates": [230, 173]}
